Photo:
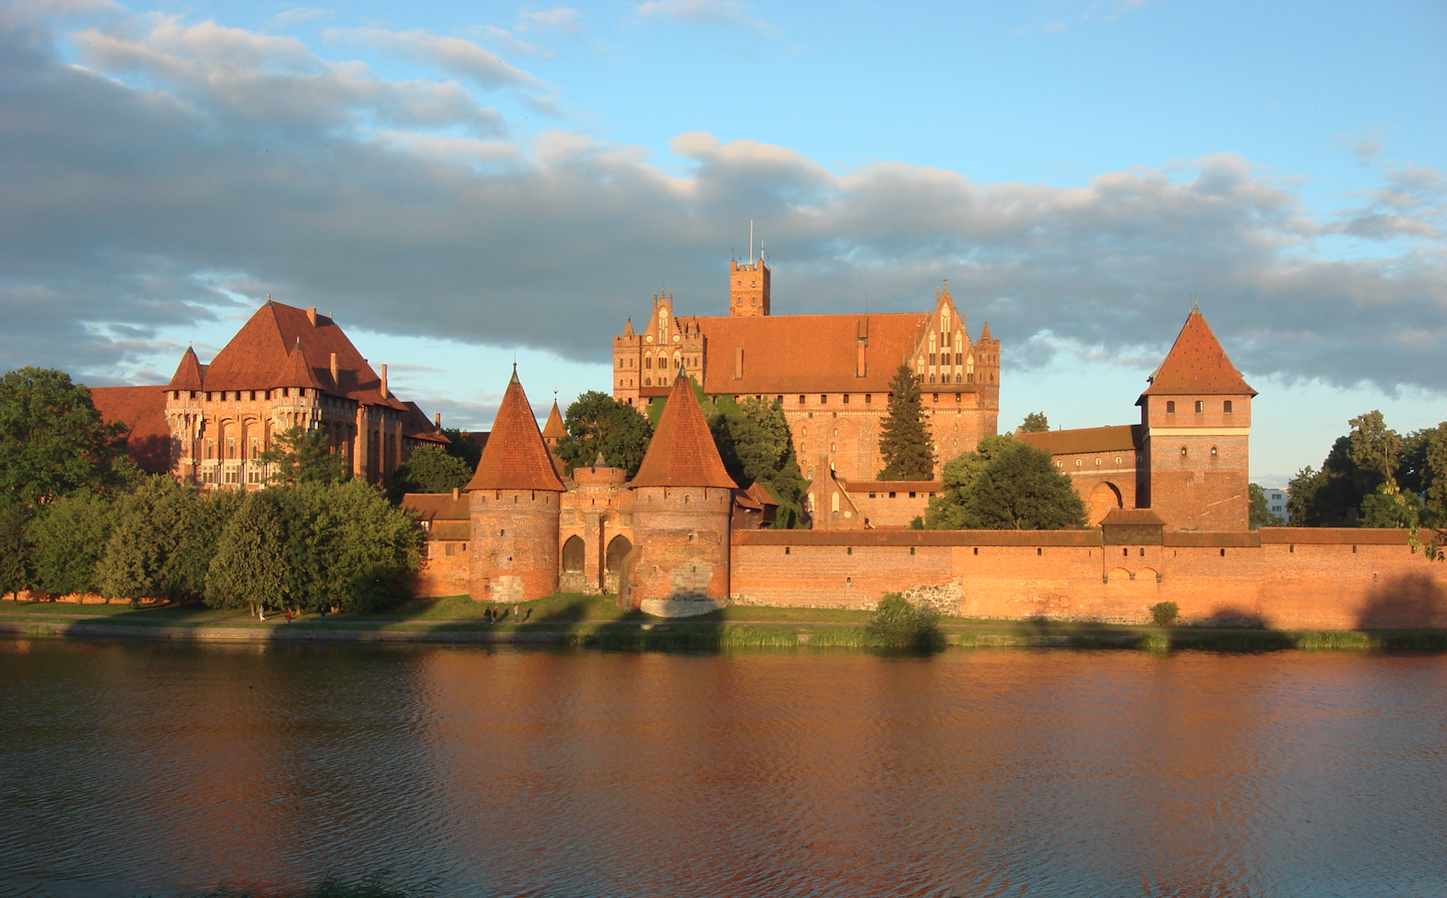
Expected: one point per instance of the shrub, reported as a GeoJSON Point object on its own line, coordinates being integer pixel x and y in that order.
{"type": "Point", "coordinates": [897, 624]}
{"type": "Point", "coordinates": [1164, 613]}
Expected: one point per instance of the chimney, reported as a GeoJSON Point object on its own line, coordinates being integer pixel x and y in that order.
{"type": "Point", "coordinates": [384, 382]}
{"type": "Point", "coordinates": [311, 315]}
{"type": "Point", "coordinates": [334, 370]}
{"type": "Point", "coordinates": [456, 494]}
{"type": "Point", "coordinates": [437, 420]}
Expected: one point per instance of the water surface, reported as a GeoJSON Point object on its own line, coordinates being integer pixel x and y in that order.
{"type": "Point", "coordinates": [128, 768]}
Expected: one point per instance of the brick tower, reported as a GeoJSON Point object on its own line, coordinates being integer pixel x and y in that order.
{"type": "Point", "coordinates": [682, 501]}
{"type": "Point", "coordinates": [515, 501]}
{"type": "Point", "coordinates": [1196, 420]}
{"type": "Point", "coordinates": [748, 289]}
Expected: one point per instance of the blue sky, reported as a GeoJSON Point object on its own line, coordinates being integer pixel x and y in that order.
{"type": "Point", "coordinates": [462, 185]}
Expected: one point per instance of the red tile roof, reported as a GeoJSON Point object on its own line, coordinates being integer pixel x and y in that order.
{"type": "Point", "coordinates": [515, 457]}
{"type": "Point", "coordinates": [143, 409]}
{"type": "Point", "coordinates": [1132, 517]}
{"type": "Point", "coordinates": [417, 426]}
{"type": "Point", "coordinates": [432, 507]}
{"type": "Point", "coordinates": [259, 351]}
{"type": "Point", "coordinates": [1084, 440]}
{"type": "Point", "coordinates": [295, 372]}
{"type": "Point", "coordinates": [682, 451]}
{"type": "Point", "coordinates": [1197, 365]}
{"type": "Point", "coordinates": [554, 429]}
{"type": "Point", "coordinates": [188, 373]}
{"type": "Point", "coordinates": [807, 353]}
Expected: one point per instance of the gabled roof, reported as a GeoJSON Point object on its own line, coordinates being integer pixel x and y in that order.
{"type": "Point", "coordinates": [260, 349]}
{"type": "Point", "coordinates": [515, 457]}
{"type": "Point", "coordinates": [682, 451]}
{"type": "Point", "coordinates": [295, 372]}
{"type": "Point", "coordinates": [143, 409]}
{"type": "Point", "coordinates": [431, 507]}
{"type": "Point", "coordinates": [1197, 365]}
{"type": "Point", "coordinates": [1083, 440]}
{"type": "Point", "coordinates": [554, 429]}
{"type": "Point", "coordinates": [417, 426]}
{"type": "Point", "coordinates": [806, 353]}
{"type": "Point", "coordinates": [188, 374]}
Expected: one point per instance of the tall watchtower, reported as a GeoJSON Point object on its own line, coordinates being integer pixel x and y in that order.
{"type": "Point", "coordinates": [748, 289]}
{"type": "Point", "coordinates": [1196, 420]}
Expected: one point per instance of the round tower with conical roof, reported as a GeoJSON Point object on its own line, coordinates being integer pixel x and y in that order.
{"type": "Point", "coordinates": [682, 502]}
{"type": "Point", "coordinates": [515, 503]}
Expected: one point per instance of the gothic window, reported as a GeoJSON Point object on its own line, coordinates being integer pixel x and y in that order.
{"type": "Point", "coordinates": [931, 358]}
{"type": "Point", "coordinates": [648, 362]}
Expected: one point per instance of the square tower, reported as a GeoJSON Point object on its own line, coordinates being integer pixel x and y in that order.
{"type": "Point", "coordinates": [748, 289]}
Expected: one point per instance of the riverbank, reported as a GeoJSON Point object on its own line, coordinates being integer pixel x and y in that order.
{"type": "Point", "coordinates": [568, 620]}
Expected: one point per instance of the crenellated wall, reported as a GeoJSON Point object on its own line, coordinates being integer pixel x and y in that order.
{"type": "Point", "coordinates": [1285, 578]}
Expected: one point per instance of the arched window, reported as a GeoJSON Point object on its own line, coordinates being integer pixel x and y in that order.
{"type": "Point", "coordinates": [618, 547]}
{"type": "Point", "coordinates": [573, 554]}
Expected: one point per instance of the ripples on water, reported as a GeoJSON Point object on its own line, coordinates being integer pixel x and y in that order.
{"type": "Point", "coordinates": [131, 768]}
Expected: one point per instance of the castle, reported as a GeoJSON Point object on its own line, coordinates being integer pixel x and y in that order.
{"type": "Point", "coordinates": [830, 373]}
{"type": "Point", "coordinates": [287, 367]}
{"type": "Point", "coordinates": [1169, 497]}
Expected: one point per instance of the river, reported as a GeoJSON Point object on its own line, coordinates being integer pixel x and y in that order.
{"type": "Point", "coordinates": [130, 768]}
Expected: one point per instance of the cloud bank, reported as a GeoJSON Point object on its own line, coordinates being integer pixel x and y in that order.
{"type": "Point", "coordinates": [175, 170]}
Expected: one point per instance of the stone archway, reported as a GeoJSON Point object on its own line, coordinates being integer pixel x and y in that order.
{"type": "Point", "coordinates": [1102, 499]}
{"type": "Point", "coordinates": [618, 547]}
{"type": "Point", "coordinates": [571, 579]}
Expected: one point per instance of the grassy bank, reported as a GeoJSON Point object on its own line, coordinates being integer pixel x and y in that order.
{"type": "Point", "coordinates": [573, 620]}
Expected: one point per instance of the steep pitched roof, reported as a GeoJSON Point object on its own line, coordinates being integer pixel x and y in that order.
{"type": "Point", "coordinates": [417, 426]}
{"type": "Point", "coordinates": [1196, 364]}
{"type": "Point", "coordinates": [682, 451]}
{"type": "Point", "coordinates": [515, 457]}
{"type": "Point", "coordinates": [260, 349]}
{"type": "Point", "coordinates": [554, 429]}
{"type": "Point", "coordinates": [143, 409]}
{"type": "Point", "coordinates": [295, 372]}
{"type": "Point", "coordinates": [188, 374]}
{"type": "Point", "coordinates": [806, 353]}
{"type": "Point", "coordinates": [1118, 438]}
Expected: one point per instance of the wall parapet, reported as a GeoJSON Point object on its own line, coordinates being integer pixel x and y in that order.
{"type": "Point", "coordinates": [1032, 538]}
{"type": "Point", "coordinates": [1333, 536]}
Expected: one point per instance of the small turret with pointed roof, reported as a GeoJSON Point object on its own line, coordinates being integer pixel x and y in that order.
{"type": "Point", "coordinates": [515, 457]}
{"type": "Point", "coordinates": [1197, 364]}
{"type": "Point", "coordinates": [188, 374]}
{"type": "Point", "coordinates": [295, 372]}
{"type": "Point", "coordinates": [554, 429]}
{"type": "Point", "coordinates": [682, 451]}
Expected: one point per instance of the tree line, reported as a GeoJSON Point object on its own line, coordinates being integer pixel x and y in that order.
{"type": "Point", "coordinates": [1375, 477]}
{"type": "Point", "coordinates": [79, 517]}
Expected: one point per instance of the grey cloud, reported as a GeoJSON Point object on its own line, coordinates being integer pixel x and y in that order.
{"type": "Point", "coordinates": [129, 210]}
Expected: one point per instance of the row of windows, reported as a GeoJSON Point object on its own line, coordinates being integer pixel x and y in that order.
{"type": "Point", "coordinates": [245, 395]}
{"type": "Point", "coordinates": [1200, 407]}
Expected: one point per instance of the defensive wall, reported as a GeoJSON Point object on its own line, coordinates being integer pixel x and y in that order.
{"type": "Point", "coordinates": [1279, 578]}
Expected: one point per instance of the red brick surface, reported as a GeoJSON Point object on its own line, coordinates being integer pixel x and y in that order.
{"type": "Point", "coordinates": [514, 549]}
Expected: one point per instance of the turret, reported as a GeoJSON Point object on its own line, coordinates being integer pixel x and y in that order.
{"type": "Point", "coordinates": [1196, 420]}
{"type": "Point", "coordinates": [682, 503]}
{"type": "Point", "coordinates": [514, 499]}
{"type": "Point", "coordinates": [748, 289]}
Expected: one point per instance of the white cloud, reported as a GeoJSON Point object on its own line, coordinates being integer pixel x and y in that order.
{"type": "Point", "coordinates": [198, 168]}
{"type": "Point", "coordinates": [561, 18]}
{"type": "Point", "coordinates": [463, 58]}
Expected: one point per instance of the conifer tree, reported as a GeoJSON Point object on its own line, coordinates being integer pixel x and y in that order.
{"type": "Point", "coordinates": [904, 437]}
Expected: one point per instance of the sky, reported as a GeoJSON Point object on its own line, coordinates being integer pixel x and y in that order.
{"type": "Point", "coordinates": [463, 186]}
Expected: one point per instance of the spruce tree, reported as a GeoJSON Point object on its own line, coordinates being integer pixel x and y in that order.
{"type": "Point", "coordinates": [904, 437]}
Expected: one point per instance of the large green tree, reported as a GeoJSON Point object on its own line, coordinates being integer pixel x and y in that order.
{"type": "Point", "coordinates": [251, 567]}
{"type": "Point", "coordinates": [596, 422]}
{"type": "Point", "coordinates": [1005, 485]}
{"type": "Point", "coordinates": [462, 448]}
{"type": "Point", "coordinates": [199, 520]}
{"type": "Point", "coordinates": [298, 455]}
{"type": "Point", "coordinates": [53, 441]}
{"type": "Point", "coordinates": [68, 540]}
{"type": "Point", "coordinates": [1374, 476]}
{"type": "Point", "coordinates": [14, 548]}
{"type": "Point", "coordinates": [430, 469]}
{"type": "Point", "coordinates": [904, 437]}
{"type": "Point", "coordinates": [148, 526]}
{"type": "Point", "coordinates": [756, 446]}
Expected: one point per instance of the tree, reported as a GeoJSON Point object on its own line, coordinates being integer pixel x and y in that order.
{"type": "Point", "coordinates": [897, 624]}
{"type": "Point", "coordinates": [1392, 508]}
{"type": "Point", "coordinates": [462, 448]}
{"type": "Point", "coordinates": [1035, 422]}
{"type": "Point", "coordinates": [430, 469]}
{"type": "Point", "coordinates": [200, 523]}
{"type": "Point", "coordinates": [251, 568]}
{"type": "Point", "coordinates": [53, 441]}
{"type": "Point", "coordinates": [756, 446]}
{"type": "Point", "coordinates": [1374, 446]}
{"type": "Point", "coordinates": [148, 524]}
{"type": "Point", "coordinates": [1261, 515]}
{"type": "Point", "coordinates": [904, 437]}
{"type": "Point", "coordinates": [14, 549]}
{"type": "Point", "coordinates": [1005, 485]}
{"type": "Point", "coordinates": [68, 539]}
{"type": "Point", "coordinates": [1434, 474]}
{"type": "Point", "coordinates": [298, 455]}
{"type": "Point", "coordinates": [596, 422]}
